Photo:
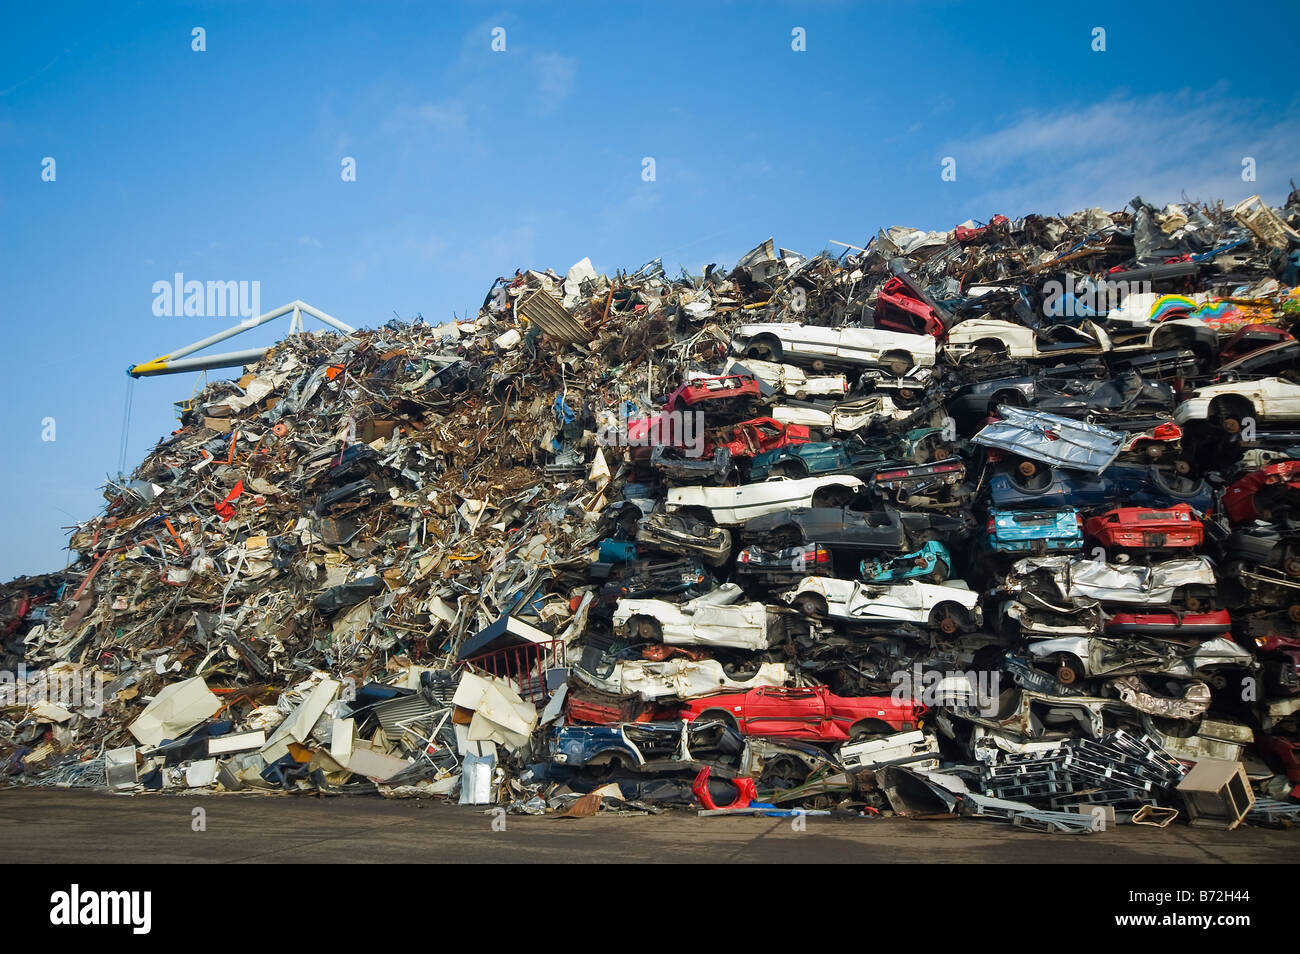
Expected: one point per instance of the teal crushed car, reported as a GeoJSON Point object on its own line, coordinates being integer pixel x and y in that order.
{"type": "Point", "coordinates": [855, 456]}
{"type": "Point", "coordinates": [932, 562]}
{"type": "Point", "coordinates": [1055, 530]}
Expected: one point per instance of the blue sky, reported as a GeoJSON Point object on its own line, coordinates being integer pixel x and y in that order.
{"type": "Point", "coordinates": [225, 164]}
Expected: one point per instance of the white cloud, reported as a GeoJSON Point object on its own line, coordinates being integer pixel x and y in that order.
{"type": "Point", "coordinates": [1105, 153]}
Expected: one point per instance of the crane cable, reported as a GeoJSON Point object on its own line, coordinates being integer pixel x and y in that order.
{"type": "Point", "coordinates": [126, 425]}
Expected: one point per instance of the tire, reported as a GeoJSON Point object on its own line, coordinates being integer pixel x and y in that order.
{"type": "Point", "coordinates": [940, 572]}
{"type": "Point", "coordinates": [718, 715]}
{"type": "Point", "coordinates": [792, 469]}
{"type": "Point", "coordinates": [646, 628]}
{"type": "Point", "coordinates": [812, 605]}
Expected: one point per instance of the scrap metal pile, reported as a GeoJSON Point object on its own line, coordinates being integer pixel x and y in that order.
{"type": "Point", "coordinates": [996, 522]}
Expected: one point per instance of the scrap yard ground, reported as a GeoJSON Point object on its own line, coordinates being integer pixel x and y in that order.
{"type": "Point", "coordinates": [61, 826]}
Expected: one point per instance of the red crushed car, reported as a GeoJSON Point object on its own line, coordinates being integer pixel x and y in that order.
{"type": "Point", "coordinates": [1171, 625]}
{"type": "Point", "coordinates": [1280, 658]}
{"type": "Point", "coordinates": [1144, 528]}
{"type": "Point", "coordinates": [902, 305]}
{"type": "Point", "coordinates": [723, 388]}
{"type": "Point", "coordinates": [757, 436]}
{"type": "Point", "coordinates": [1249, 339]}
{"type": "Point", "coordinates": [813, 713]}
{"type": "Point", "coordinates": [1254, 496]}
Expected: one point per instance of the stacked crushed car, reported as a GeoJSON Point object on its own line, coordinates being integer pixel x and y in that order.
{"type": "Point", "coordinates": [1002, 521]}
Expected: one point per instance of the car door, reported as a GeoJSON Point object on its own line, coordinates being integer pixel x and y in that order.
{"type": "Point", "coordinates": [882, 603]}
{"type": "Point", "coordinates": [740, 626]}
{"type": "Point", "coordinates": [1279, 400]}
{"type": "Point", "coordinates": [810, 340]}
{"type": "Point", "coordinates": [795, 713]}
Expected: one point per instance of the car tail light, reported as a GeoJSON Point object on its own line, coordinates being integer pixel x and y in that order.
{"type": "Point", "coordinates": [744, 556]}
{"type": "Point", "coordinates": [891, 474]}
{"type": "Point", "coordinates": [991, 527]}
{"type": "Point", "coordinates": [823, 556]}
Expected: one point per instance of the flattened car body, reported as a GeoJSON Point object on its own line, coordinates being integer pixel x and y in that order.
{"type": "Point", "coordinates": [732, 506]}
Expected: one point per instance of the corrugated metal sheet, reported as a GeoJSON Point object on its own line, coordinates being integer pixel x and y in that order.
{"type": "Point", "coordinates": [543, 310]}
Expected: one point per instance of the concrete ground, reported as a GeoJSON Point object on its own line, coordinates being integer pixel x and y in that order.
{"type": "Point", "coordinates": [71, 827]}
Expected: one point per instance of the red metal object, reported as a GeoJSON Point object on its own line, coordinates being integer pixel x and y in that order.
{"type": "Point", "coordinates": [965, 235]}
{"type": "Point", "coordinates": [814, 713]}
{"type": "Point", "coordinates": [746, 791]}
{"type": "Point", "coordinates": [898, 309]}
{"type": "Point", "coordinates": [721, 388]}
{"type": "Point", "coordinates": [759, 435]}
{"type": "Point", "coordinates": [526, 664]}
{"type": "Point", "coordinates": [1239, 498]}
{"type": "Point", "coordinates": [1249, 339]}
{"type": "Point", "coordinates": [1144, 528]}
{"type": "Point", "coordinates": [226, 508]}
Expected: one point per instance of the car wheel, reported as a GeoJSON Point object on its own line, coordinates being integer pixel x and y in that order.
{"type": "Point", "coordinates": [948, 618]}
{"type": "Point", "coordinates": [1068, 670]}
{"type": "Point", "coordinates": [940, 572]}
{"type": "Point", "coordinates": [1229, 414]}
{"type": "Point", "coordinates": [811, 605]}
{"type": "Point", "coordinates": [789, 468]}
{"type": "Point", "coordinates": [646, 629]}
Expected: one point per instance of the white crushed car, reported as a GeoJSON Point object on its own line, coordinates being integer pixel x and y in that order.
{"type": "Point", "coordinates": [1079, 578]}
{"type": "Point", "coordinates": [683, 678]}
{"type": "Point", "coordinates": [715, 619]}
{"type": "Point", "coordinates": [1230, 405]}
{"type": "Point", "coordinates": [846, 417]}
{"type": "Point", "coordinates": [948, 607]}
{"type": "Point", "coordinates": [994, 338]}
{"type": "Point", "coordinates": [732, 506]}
{"type": "Point", "coordinates": [825, 347]}
{"type": "Point", "coordinates": [1076, 656]}
{"type": "Point", "coordinates": [789, 380]}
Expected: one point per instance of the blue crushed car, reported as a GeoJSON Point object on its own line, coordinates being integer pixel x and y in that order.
{"type": "Point", "coordinates": [1053, 487]}
{"type": "Point", "coordinates": [1034, 531]}
{"type": "Point", "coordinates": [932, 562]}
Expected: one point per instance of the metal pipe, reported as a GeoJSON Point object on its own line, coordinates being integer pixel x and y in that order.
{"type": "Point", "coordinates": [167, 363]}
